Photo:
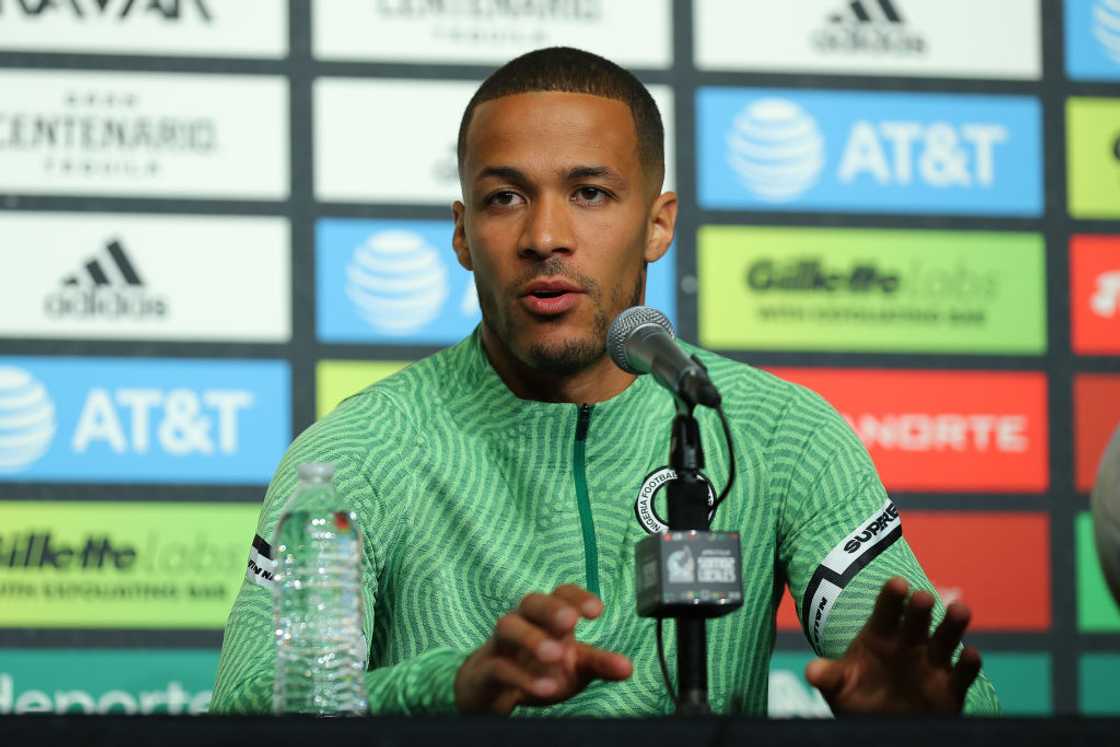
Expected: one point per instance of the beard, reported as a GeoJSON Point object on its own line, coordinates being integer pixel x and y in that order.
{"type": "Point", "coordinates": [576, 353]}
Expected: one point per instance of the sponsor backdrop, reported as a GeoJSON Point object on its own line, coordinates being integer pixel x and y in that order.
{"type": "Point", "coordinates": [221, 217]}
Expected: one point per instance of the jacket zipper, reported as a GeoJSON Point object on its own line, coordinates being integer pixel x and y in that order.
{"type": "Point", "coordinates": [579, 459]}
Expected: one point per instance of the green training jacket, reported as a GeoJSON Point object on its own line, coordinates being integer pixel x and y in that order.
{"type": "Point", "coordinates": [469, 498]}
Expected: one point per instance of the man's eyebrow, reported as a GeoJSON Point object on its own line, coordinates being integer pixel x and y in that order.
{"type": "Point", "coordinates": [595, 172]}
{"type": "Point", "coordinates": [505, 173]}
{"type": "Point", "coordinates": [516, 176]}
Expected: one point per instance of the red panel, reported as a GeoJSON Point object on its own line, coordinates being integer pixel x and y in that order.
{"type": "Point", "coordinates": [998, 563]}
{"type": "Point", "coordinates": [1095, 294]}
{"type": "Point", "coordinates": [1096, 414]}
{"type": "Point", "coordinates": [944, 431]}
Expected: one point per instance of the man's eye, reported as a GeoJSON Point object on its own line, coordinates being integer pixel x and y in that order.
{"type": "Point", "coordinates": [503, 199]}
{"type": "Point", "coordinates": [591, 194]}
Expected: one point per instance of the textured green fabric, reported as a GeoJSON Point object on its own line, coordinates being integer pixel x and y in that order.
{"type": "Point", "coordinates": [467, 501]}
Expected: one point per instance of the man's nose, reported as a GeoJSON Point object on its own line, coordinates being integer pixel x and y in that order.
{"type": "Point", "coordinates": [548, 229]}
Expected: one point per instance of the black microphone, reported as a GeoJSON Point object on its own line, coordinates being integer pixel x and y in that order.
{"type": "Point", "coordinates": [641, 340]}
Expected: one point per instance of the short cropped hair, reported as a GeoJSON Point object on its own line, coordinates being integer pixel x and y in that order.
{"type": "Point", "coordinates": [575, 71]}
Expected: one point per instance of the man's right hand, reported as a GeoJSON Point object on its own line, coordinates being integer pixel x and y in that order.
{"type": "Point", "coordinates": [533, 657]}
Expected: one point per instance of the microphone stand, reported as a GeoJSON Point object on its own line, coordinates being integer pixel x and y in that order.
{"type": "Point", "coordinates": [688, 510]}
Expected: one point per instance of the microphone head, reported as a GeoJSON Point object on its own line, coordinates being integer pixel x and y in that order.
{"type": "Point", "coordinates": [1105, 505]}
{"type": "Point", "coordinates": [625, 325]}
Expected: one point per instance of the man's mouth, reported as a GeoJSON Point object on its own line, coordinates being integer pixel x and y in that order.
{"type": "Point", "coordinates": [550, 297]}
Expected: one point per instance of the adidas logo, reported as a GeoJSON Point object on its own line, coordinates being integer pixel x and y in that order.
{"type": "Point", "coordinates": [106, 287]}
{"type": "Point", "coordinates": [870, 11]}
{"type": "Point", "coordinates": [869, 26]}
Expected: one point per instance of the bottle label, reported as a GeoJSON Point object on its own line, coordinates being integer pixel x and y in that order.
{"type": "Point", "coordinates": [261, 567]}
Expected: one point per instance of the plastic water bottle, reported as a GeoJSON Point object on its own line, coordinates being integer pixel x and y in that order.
{"type": "Point", "coordinates": [320, 649]}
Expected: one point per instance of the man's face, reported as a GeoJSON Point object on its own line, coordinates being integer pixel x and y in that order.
{"type": "Point", "coordinates": [557, 223]}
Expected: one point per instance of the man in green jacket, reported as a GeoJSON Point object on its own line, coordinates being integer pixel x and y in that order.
{"type": "Point", "coordinates": [523, 460]}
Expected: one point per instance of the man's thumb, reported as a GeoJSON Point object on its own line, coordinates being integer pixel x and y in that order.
{"type": "Point", "coordinates": [826, 675]}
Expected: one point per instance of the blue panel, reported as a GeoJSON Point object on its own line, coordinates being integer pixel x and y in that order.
{"type": "Point", "coordinates": [775, 149]}
{"type": "Point", "coordinates": [1093, 39]}
{"type": "Point", "coordinates": [143, 420]}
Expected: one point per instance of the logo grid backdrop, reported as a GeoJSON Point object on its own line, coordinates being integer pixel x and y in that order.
{"type": "Point", "coordinates": [685, 64]}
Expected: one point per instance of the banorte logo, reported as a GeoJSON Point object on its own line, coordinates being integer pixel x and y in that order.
{"type": "Point", "coordinates": [27, 419]}
{"type": "Point", "coordinates": [397, 281]}
{"type": "Point", "coordinates": [1106, 26]}
{"type": "Point", "coordinates": [776, 149]}
{"type": "Point", "coordinates": [944, 431]}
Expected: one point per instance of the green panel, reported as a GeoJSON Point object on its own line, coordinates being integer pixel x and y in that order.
{"type": "Point", "coordinates": [337, 380]}
{"type": "Point", "coordinates": [1100, 695]}
{"type": "Point", "coordinates": [106, 681]}
{"type": "Point", "coordinates": [1096, 609]}
{"type": "Point", "coordinates": [1093, 154]}
{"type": "Point", "coordinates": [791, 695]}
{"type": "Point", "coordinates": [122, 565]}
{"type": "Point", "coordinates": [871, 290]}
{"type": "Point", "coordinates": [1022, 682]}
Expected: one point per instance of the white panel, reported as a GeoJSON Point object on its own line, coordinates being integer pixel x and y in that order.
{"type": "Point", "coordinates": [144, 135]}
{"type": "Point", "coordinates": [636, 33]}
{"type": "Point", "coordinates": [395, 140]}
{"type": "Point", "coordinates": [215, 28]}
{"type": "Point", "coordinates": [163, 277]}
{"type": "Point", "coordinates": [952, 38]}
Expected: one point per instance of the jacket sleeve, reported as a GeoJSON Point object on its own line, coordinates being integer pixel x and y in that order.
{"type": "Point", "coordinates": [420, 685]}
{"type": "Point", "coordinates": [842, 537]}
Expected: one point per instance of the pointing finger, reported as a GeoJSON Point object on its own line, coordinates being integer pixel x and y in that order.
{"type": "Point", "coordinates": [515, 633]}
{"type": "Point", "coordinates": [605, 665]}
{"type": "Point", "coordinates": [551, 613]}
{"type": "Point", "coordinates": [827, 675]}
{"type": "Point", "coordinates": [888, 607]}
{"type": "Point", "coordinates": [589, 605]}
{"type": "Point", "coordinates": [964, 674]}
{"type": "Point", "coordinates": [507, 673]}
{"type": "Point", "coordinates": [916, 618]}
{"type": "Point", "coordinates": [948, 635]}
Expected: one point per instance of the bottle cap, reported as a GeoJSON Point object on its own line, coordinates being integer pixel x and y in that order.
{"type": "Point", "coordinates": [316, 472]}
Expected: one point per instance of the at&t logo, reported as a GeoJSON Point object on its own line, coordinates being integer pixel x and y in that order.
{"type": "Point", "coordinates": [778, 151]}
{"type": "Point", "coordinates": [128, 421]}
{"type": "Point", "coordinates": [180, 421]}
{"type": "Point", "coordinates": [27, 419]}
{"type": "Point", "coordinates": [399, 283]}
{"type": "Point", "coordinates": [1106, 26]}
{"type": "Point", "coordinates": [776, 148]}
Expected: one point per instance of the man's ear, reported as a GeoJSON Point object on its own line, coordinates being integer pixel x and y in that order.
{"type": "Point", "coordinates": [459, 237]}
{"type": "Point", "coordinates": [663, 223]}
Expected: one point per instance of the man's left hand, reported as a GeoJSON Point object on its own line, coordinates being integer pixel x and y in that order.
{"type": "Point", "coordinates": [894, 665]}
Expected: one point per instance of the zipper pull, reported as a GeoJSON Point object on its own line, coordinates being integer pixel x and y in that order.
{"type": "Point", "coordinates": [584, 422]}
